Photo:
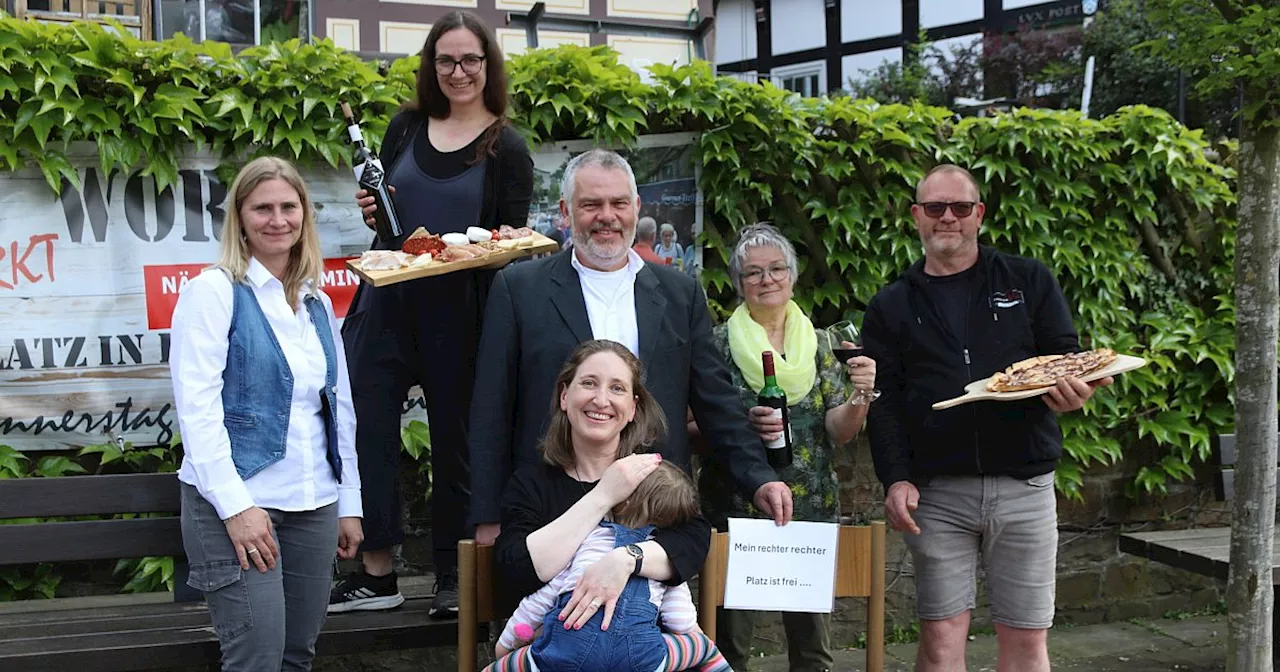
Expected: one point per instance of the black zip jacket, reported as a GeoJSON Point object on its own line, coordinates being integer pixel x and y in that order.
{"type": "Point", "coordinates": [1018, 312]}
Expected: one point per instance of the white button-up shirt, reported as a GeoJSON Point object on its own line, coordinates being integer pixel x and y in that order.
{"type": "Point", "coordinates": [303, 479]}
{"type": "Point", "coordinates": [611, 301]}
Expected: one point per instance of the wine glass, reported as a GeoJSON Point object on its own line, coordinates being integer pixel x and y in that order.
{"type": "Point", "coordinates": [843, 332]}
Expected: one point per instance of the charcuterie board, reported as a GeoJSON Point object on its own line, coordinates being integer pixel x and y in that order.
{"type": "Point", "coordinates": [977, 390]}
{"type": "Point", "coordinates": [495, 258]}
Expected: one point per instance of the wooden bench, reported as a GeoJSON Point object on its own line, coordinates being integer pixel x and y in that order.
{"type": "Point", "coordinates": [142, 632]}
{"type": "Point", "coordinates": [859, 573]}
{"type": "Point", "coordinates": [1205, 550]}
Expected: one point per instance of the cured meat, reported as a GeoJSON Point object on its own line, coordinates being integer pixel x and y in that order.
{"type": "Point", "coordinates": [384, 260]}
{"type": "Point", "coordinates": [456, 253]}
{"type": "Point", "coordinates": [422, 242]}
{"type": "Point", "coordinates": [509, 233]}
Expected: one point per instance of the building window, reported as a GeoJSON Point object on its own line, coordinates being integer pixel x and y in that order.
{"type": "Point", "coordinates": [235, 21]}
{"type": "Point", "coordinates": [805, 85]}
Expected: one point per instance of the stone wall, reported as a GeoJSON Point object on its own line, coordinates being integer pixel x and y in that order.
{"type": "Point", "coordinates": [1096, 582]}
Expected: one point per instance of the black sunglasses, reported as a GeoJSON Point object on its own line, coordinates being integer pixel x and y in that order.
{"type": "Point", "coordinates": [936, 209]}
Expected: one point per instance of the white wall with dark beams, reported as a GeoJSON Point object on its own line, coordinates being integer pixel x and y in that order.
{"type": "Point", "coordinates": [800, 44]}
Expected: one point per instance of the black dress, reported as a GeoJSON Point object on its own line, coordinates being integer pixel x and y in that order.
{"type": "Point", "coordinates": [425, 332]}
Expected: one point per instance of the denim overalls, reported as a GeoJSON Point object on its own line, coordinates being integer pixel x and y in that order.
{"type": "Point", "coordinates": [633, 642]}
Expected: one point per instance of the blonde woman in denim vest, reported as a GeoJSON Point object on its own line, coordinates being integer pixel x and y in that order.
{"type": "Point", "coordinates": [270, 484]}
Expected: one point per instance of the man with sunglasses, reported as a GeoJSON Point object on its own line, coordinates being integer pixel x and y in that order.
{"type": "Point", "coordinates": [975, 481]}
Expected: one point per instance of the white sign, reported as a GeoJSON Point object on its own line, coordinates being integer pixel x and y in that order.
{"type": "Point", "coordinates": [789, 568]}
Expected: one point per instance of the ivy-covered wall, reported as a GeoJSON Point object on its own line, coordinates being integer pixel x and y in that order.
{"type": "Point", "coordinates": [1135, 220]}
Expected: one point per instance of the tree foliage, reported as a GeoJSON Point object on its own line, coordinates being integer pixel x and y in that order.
{"type": "Point", "coordinates": [1126, 74]}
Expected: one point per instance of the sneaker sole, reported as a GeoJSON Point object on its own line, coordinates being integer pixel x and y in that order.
{"type": "Point", "coordinates": [368, 604]}
{"type": "Point", "coordinates": [450, 612]}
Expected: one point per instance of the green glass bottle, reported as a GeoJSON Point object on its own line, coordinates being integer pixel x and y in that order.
{"type": "Point", "coordinates": [772, 396]}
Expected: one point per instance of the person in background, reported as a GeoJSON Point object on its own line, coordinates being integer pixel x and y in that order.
{"type": "Point", "coordinates": [270, 480]}
{"type": "Point", "coordinates": [819, 389]}
{"type": "Point", "coordinates": [646, 233]}
{"type": "Point", "coordinates": [670, 249]}
{"type": "Point", "coordinates": [973, 483]}
{"type": "Point", "coordinates": [454, 161]}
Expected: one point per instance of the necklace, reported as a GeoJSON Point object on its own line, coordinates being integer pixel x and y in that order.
{"type": "Point", "coordinates": [578, 477]}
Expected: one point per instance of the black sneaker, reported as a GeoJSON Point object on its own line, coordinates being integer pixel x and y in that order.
{"type": "Point", "coordinates": [359, 591]}
{"type": "Point", "coordinates": [445, 603]}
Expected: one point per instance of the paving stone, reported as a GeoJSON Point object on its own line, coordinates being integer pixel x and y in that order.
{"type": "Point", "coordinates": [1161, 645]}
{"type": "Point", "coordinates": [1205, 631]}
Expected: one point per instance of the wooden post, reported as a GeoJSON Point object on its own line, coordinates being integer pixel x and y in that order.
{"type": "Point", "coordinates": [875, 602]}
{"type": "Point", "coordinates": [467, 605]}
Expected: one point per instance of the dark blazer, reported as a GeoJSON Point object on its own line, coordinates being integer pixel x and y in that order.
{"type": "Point", "coordinates": [534, 318]}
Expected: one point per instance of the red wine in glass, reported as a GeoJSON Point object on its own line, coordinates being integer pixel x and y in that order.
{"type": "Point", "coordinates": [843, 355]}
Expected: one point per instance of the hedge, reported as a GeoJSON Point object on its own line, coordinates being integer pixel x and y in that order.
{"type": "Point", "coordinates": [1137, 223]}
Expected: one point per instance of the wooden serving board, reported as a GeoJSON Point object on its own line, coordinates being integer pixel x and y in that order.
{"type": "Point", "coordinates": [977, 390]}
{"type": "Point", "coordinates": [494, 259]}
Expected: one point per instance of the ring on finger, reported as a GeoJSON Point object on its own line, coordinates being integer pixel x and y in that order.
{"type": "Point", "coordinates": [251, 551]}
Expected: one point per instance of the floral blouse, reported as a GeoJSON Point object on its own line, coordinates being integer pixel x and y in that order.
{"type": "Point", "coordinates": [812, 474]}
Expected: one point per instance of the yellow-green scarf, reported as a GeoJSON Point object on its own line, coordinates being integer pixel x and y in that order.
{"type": "Point", "coordinates": [796, 373]}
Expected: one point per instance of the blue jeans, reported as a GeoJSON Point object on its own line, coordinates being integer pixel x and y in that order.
{"type": "Point", "coordinates": [263, 621]}
{"type": "Point", "coordinates": [633, 642]}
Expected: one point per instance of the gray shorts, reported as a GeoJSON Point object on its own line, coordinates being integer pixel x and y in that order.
{"type": "Point", "coordinates": [1012, 524]}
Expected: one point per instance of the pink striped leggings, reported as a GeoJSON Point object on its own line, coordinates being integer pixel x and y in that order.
{"type": "Point", "coordinates": [684, 652]}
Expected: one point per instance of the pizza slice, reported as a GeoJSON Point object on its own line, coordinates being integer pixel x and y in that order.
{"type": "Point", "coordinates": [1046, 370]}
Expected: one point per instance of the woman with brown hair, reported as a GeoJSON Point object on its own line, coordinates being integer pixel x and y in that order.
{"type": "Point", "coordinates": [453, 162]}
{"type": "Point", "coordinates": [270, 485]}
{"type": "Point", "coordinates": [600, 419]}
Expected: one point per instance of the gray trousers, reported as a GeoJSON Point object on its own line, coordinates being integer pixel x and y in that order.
{"type": "Point", "coordinates": [264, 622]}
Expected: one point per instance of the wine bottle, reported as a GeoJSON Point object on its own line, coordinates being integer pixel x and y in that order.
{"type": "Point", "coordinates": [371, 177]}
{"type": "Point", "coordinates": [772, 396]}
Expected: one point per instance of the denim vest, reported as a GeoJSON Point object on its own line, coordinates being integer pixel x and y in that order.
{"type": "Point", "coordinates": [257, 386]}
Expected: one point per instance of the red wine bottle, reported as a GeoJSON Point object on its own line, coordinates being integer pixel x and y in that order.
{"type": "Point", "coordinates": [772, 396]}
{"type": "Point", "coordinates": [371, 177]}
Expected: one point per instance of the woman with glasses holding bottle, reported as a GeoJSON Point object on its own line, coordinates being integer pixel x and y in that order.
{"type": "Point", "coordinates": [453, 161]}
{"type": "Point", "coordinates": [826, 398]}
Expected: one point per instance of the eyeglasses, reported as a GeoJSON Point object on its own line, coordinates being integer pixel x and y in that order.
{"type": "Point", "coordinates": [470, 64]}
{"type": "Point", "coordinates": [755, 275]}
{"type": "Point", "coordinates": [936, 209]}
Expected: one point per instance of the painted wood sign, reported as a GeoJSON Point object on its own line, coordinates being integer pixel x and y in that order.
{"type": "Point", "coordinates": [88, 283]}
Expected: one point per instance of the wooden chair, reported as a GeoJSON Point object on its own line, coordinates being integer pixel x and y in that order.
{"type": "Point", "coordinates": [859, 573]}
{"type": "Point", "coordinates": [475, 600]}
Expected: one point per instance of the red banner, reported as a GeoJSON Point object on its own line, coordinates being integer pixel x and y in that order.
{"type": "Point", "coordinates": [340, 284]}
{"type": "Point", "coordinates": [163, 283]}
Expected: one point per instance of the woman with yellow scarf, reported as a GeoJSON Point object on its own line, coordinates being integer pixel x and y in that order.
{"type": "Point", "coordinates": [818, 388]}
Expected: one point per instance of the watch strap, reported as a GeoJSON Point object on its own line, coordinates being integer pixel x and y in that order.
{"type": "Point", "coordinates": [637, 553]}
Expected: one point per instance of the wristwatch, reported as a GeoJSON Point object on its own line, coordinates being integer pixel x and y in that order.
{"type": "Point", "coordinates": [637, 553]}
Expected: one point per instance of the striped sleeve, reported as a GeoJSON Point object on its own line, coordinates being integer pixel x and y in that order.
{"type": "Point", "coordinates": [677, 611]}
